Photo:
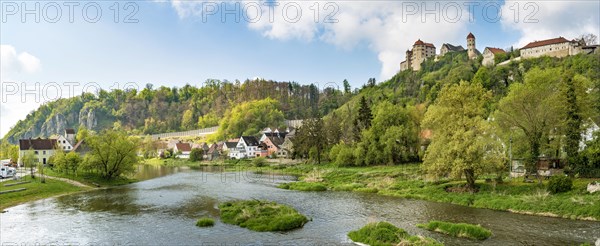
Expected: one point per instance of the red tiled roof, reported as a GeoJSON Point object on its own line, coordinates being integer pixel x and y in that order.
{"type": "Point", "coordinates": [70, 131]}
{"type": "Point", "coordinates": [37, 144]}
{"type": "Point", "coordinates": [545, 42]}
{"type": "Point", "coordinates": [496, 51]}
{"type": "Point", "coordinates": [470, 35]}
{"type": "Point", "coordinates": [183, 147]}
{"type": "Point", "coordinates": [419, 42]}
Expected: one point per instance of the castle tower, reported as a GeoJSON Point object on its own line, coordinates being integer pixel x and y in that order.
{"type": "Point", "coordinates": [471, 46]}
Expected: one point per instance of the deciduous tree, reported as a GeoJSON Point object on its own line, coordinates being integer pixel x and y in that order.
{"type": "Point", "coordinates": [463, 143]}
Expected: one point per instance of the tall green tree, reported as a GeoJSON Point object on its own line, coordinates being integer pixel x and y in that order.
{"type": "Point", "coordinates": [577, 107]}
{"type": "Point", "coordinates": [532, 107]}
{"type": "Point", "coordinates": [310, 139]}
{"type": "Point", "coordinates": [462, 144]}
{"type": "Point", "coordinates": [573, 119]}
{"type": "Point", "coordinates": [365, 116]}
{"type": "Point", "coordinates": [347, 88]}
{"type": "Point", "coordinates": [29, 160]}
{"type": "Point", "coordinates": [112, 153]}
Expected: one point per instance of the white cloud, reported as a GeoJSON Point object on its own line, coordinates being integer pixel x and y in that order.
{"type": "Point", "coordinates": [569, 19]}
{"type": "Point", "coordinates": [377, 23]}
{"type": "Point", "coordinates": [14, 63]}
{"type": "Point", "coordinates": [13, 66]}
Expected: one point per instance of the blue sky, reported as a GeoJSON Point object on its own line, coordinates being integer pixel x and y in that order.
{"type": "Point", "coordinates": [172, 45]}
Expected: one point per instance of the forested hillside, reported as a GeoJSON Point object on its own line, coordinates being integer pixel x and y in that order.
{"type": "Point", "coordinates": [155, 110]}
{"type": "Point", "coordinates": [554, 99]}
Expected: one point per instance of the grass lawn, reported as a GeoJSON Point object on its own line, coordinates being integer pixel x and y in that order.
{"type": "Point", "coordinates": [35, 190]}
{"type": "Point", "coordinates": [261, 215]}
{"type": "Point", "coordinates": [90, 178]}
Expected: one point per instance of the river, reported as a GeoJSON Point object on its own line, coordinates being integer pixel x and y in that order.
{"type": "Point", "coordinates": [163, 211]}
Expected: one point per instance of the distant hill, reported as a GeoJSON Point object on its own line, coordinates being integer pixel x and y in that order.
{"type": "Point", "coordinates": [165, 109]}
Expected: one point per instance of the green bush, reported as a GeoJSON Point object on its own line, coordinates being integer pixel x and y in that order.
{"type": "Point", "coordinates": [196, 154]}
{"type": "Point", "coordinates": [259, 162]}
{"type": "Point", "coordinates": [303, 186]}
{"type": "Point", "coordinates": [560, 184]}
{"type": "Point", "coordinates": [261, 215]}
{"type": "Point", "coordinates": [205, 222]}
{"type": "Point", "coordinates": [386, 234]}
{"type": "Point", "coordinates": [457, 229]}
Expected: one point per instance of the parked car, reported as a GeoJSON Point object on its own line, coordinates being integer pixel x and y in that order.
{"type": "Point", "coordinates": [6, 172]}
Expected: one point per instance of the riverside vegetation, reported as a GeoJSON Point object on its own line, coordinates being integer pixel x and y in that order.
{"type": "Point", "coordinates": [205, 222]}
{"type": "Point", "coordinates": [386, 234]}
{"type": "Point", "coordinates": [261, 215]}
{"type": "Point", "coordinates": [408, 181]}
{"type": "Point", "coordinates": [457, 229]}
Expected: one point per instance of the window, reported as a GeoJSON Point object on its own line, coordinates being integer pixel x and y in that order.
{"type": "Point", "coordinates": [44, 152]}
{"type": "Point", "coordinates": [35, 152]}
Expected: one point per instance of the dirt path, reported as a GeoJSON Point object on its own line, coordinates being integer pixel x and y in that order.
{"type": "Point", "coordinates": [70, 181]}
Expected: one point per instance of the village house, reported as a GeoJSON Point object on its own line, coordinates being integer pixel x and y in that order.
{"type": "Point", "coordinates": [213, 152]}
{"type": "Point", "coordinates": [247, 147]}
{"type": "Point", "coordinates": [590, 127]}
{"type": "Point", "coordinates": [228, 147]}
{"type": "Point", "coordinates": [42, 149]}
{"type": "Point", "coordinates": [66, 142]}
{"type": "Point", "coordinates": [182, 150]}
{"type": "Point", "coordinates": [81, 148]}
{"type": "Point", "coordinates": [273, 145]}
{"type": "Point", "coordinates": [556, 47]}
{"type": "Point", "coordinates": [489, 55]}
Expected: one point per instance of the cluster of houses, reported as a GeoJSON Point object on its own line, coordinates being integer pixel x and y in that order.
{"type": "Point", "coordinates": [271, 143]}
{"type": "Point", "coordinates": [556, 47]}
{"type": "Point", "coordinates": [43, 149]}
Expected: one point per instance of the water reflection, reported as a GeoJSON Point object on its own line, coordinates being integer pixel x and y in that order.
{"type": "Point", "coordinates": [118, 201]}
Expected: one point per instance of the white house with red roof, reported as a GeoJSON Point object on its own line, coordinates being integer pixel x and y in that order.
{"type": "Point", "coordinates": [184, 148]}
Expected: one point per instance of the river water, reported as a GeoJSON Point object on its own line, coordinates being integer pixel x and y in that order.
{"type": "Point", "coordinates": [163, 211]}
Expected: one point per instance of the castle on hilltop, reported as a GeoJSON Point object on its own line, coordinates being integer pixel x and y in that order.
{"type": "Point", "coordinates": [422, 50]}
{"type": "Point", "coordinates": [556, 47]}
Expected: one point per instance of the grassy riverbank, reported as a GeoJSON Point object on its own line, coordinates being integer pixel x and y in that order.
{"type": "Point", "coordinates": [90, 179]}
{"type": "Point", "coordinates": [34, 190]}
{"type": "Point", "coordinates": [407, 181]}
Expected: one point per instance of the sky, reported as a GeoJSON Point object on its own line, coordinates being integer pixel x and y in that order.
{"type": "Point", "coordinates": [52, 50]}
